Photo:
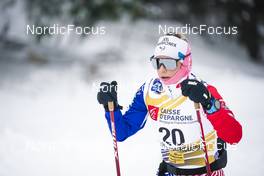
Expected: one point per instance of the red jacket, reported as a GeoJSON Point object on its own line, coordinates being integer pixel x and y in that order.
{"type": "Point", "coordinates": [223, 121]}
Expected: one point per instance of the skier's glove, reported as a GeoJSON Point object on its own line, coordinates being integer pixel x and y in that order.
{"type": "Point", "coordinates": [197, 92]}
{"type": "Point", "coordinates": [108, 93]}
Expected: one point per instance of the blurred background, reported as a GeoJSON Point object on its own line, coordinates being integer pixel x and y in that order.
{"type": "Point", "coordinates": [50, 121]}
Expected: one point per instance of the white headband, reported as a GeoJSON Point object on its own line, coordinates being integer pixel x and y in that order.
{"type": "Point", "coordinates": [171, 46]}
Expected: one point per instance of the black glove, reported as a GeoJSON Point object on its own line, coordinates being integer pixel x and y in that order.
{"type": "Point", "coordinates": [108, 93]}
{"type": "Point", "coordinates": [197, 92]}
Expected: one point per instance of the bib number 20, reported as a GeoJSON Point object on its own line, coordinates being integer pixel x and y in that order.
{"type": "Point", "coordinates": [175, 134]}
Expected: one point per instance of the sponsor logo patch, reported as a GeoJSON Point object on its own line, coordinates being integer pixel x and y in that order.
{"type": "Point", "coordinates": [157, 86]}
{"type": "Point", "coordinates": [153, 112]}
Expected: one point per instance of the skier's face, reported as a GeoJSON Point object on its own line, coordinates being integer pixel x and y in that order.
{"type": "Point", "coordinates": [166, 74]}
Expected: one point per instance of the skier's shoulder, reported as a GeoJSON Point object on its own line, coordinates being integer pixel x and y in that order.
{"type": "Point", "coordinates": [149, 83]}
{"type": "Point", "coordinates": [142, 89]}
{"type": "Point", "coordinates": [154, 85]}
{"type": "Point", "coordinates": [196, 77]}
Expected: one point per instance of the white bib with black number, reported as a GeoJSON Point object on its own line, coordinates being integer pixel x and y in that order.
{"type": "Point", "coordinates": [178, 128]}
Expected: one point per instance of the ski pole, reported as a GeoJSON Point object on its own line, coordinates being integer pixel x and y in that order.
{"type": "Point", "coordinates": [197, 109]}
{"type": "Point", "coordinates": [111, 110]}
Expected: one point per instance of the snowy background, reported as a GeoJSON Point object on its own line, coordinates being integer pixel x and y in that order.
{"type": "Point", "coordinates": [51, 123]}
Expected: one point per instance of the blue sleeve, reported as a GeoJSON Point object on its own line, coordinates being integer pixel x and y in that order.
{"type": "Point", "coordinates": [133, 120]}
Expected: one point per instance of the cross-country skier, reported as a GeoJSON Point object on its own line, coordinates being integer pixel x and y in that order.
{"type": "Point", "coordinates": [169, 102]}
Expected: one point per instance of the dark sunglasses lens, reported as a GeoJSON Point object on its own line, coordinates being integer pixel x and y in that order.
{"type": "Point", "coordinates": [170, 64]}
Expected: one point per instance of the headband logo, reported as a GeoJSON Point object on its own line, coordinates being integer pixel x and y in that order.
{"type": "Point", "coordinates": [166, 41]}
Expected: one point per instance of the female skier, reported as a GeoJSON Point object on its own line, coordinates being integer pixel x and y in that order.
{"type": "Point", "coordinates": [169, 101]}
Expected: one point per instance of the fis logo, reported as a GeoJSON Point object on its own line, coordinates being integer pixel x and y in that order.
{"type": "Point", "coordinates": [157, 86]}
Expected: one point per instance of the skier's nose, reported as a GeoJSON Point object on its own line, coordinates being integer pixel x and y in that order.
{"type": "Point", "coordinates": [162, 68]}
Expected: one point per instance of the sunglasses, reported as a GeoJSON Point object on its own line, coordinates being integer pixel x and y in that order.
{"type": "Point", "coordinates": [168, 63]}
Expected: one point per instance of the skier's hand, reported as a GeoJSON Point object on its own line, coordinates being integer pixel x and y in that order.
{"type": "Point", "coordinates": [197, 92]}
{"type": "Point", "coordinates": [108, 93]}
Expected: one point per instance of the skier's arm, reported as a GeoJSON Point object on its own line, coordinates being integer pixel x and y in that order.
{"type": "Point", "coordinates": [223, 121]}
{"type": "Point", "coordinates": [133, 120]}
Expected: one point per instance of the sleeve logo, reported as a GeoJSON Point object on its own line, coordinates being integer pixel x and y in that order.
{"type": "Point", "coordinates": [153, 112]}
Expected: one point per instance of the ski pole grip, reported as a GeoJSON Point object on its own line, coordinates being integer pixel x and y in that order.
{"type": "Point", "coordinates": [111, 106]}
{"type": "Point", "coordinates": [197, 106]}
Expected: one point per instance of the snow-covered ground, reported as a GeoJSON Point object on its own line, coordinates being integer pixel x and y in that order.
{"type": "Point", "coordinates": [51, 123]}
